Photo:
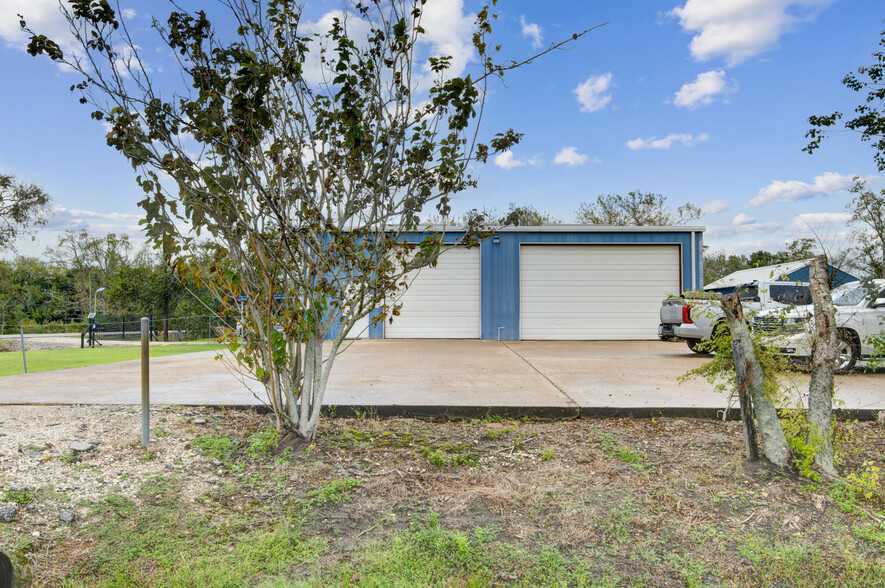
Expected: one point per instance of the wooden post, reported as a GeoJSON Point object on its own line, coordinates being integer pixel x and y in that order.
{"type": "Point", "coordinates": [750, 379]}
{"type": "Point", "coordinates": [145, 382]}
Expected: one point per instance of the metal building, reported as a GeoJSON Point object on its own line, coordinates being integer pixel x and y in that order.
{"type": "Point", "coordinates": [579, 282]}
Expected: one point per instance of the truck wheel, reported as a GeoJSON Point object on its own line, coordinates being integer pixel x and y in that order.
{"type": "Point", "coordinates": [720, 330]}
{"type": "Point", "coordinates": [847, 352]}
{"type": "Point", "coordinates": [698, 345]}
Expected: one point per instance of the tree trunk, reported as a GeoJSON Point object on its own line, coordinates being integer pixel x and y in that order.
{"type": "Point", "coordinates": [823, 361]}
{"type": "Point", "coordinates": [750, 380]}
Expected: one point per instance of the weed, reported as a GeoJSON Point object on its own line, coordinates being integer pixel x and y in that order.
{"type": "Point", "coordinates": [21, 497]}
{"type": "Point", "coordinates": [333, 492]}
{"type": "Point", "coordinates": [263, 441]}
{"type": "Point", "coordinates": [613, 448]}
{"type": "Point", "coordinates": [216, 447]}
{"type": "Point", "coordinates": [158, 432]}
{"type": "Point", "coordinates": [112, 504]}
{"type": "Point", "coordinates": [493, 434]}
{"type": "Point", "coordinates": [148, 455]}
{"type": "Point", "coordinates": [368, 414]}
{"type": "Point", "coordinates": [437, 458]}
{"type": "Point", "coordinates": [872, 534]}
{"type": "Point", "coordinates": [867, 482]}
{"type": "Point", "coordinates": [547, 454]}
{"type": "Point", "coordinates": [487, 420]}
{"type": "Point", "coordinates": [468, 459]}
{"type": "Point", "coordinates": [354, 435]}
{"type": "Point", "coordinates": [428, 554]}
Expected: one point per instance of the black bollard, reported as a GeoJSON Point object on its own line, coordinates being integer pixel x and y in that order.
{"type": "Point", "coordinates": [5, 571]}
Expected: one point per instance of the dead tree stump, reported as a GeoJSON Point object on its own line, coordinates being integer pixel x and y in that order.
{"type": "Point", "coordinates": [757, 410]}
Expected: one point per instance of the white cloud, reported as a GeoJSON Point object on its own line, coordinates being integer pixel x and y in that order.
{"type": "Point", "coordinates": [449, 31]}
{"type": "Point", "coordinates": [531, 31]}
{"type": "Point", "coordinates": [507, 160]}
{"type": "Point", "coordinates": [702, 91]}
{"type": "Point", "coordinates": [720, 231]}
{"type": "Point", "coordinates": [740, 29]}
{"type": "Point", "coordinates": [42, 16]}
{"type": "Point", "coordinates": [745, 247]}
{"type": "Point", "coordinates": [815, 220]}
{"type": "Point", "coordinates": [594, 94]}
{"type": "Point", "coordinates": [667, 142]}
{"type": "Point", "coordinates": [743, 219]}
{"type": "Point", "coordinates": [793, 190]}
{"type": "Point", "coordinates": [570, 156]}
{"type": "Point", "coordinates": [61, 211]}
{"type": "Point", "coordinates": [128, 13]}
{"type": "Point", "coordinates": [714, 206]}
{"type": "Point", "coordinates": [70, 219]}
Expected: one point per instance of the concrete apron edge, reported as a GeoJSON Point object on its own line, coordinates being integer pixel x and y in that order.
{"type": "Point", "coordinates": [436, 412]}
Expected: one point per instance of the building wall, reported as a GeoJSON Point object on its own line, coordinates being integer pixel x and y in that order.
{"type": "Point", "coordinates": [500, 268]}
{"type": "Point", "coordinates": [499, 263]}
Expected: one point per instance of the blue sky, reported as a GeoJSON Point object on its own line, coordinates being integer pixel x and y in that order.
{"type": "Point", "coordinates": [704, 101]}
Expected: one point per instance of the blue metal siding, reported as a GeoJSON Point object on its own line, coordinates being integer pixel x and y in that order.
{"type": "Point", "coordinates": [839, 277]}
{"type": "Point", "coordinates": [699, 253]}
{"type": "Point", "coordinates": [499, 262]}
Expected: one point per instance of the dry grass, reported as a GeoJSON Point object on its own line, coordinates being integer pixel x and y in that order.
{"type": "Point", "coordinates": [616, 502]}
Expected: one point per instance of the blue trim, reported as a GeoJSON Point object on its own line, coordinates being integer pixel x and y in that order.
{"type": "Point", "coordinates": [376, 331]}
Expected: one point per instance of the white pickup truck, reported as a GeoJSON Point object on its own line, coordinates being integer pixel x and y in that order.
{"type": "Point", "coordinates": [860, 317]}
{"type": "Point", "coordinates": [696, 316]}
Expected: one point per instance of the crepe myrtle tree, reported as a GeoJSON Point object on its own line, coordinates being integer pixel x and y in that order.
{"type": "Point", "coordinates": [303, 184]}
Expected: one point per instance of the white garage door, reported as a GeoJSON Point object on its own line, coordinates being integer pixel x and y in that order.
{"type": "Point", "coordinates": [594, 292]}
{"type": "Point", "coordinates": [360, 330]}
{"type": "Point", "coordinates": [441, 302]}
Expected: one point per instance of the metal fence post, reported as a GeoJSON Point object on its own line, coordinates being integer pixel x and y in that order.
{"type": "Point", "coordinates": [145, 382]}
{"type": "Point", "coordinates": [24, 357]}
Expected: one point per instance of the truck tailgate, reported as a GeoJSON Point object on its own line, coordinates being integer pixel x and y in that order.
{"type": "Point", "coordinates": [671, 311]}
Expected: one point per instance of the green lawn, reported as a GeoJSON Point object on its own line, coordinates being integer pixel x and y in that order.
{"type": "Point", "coordinates": [60, 359]}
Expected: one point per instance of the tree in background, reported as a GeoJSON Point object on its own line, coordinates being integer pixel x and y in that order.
{"type": "Point", "coordinates": [635, 209]}
{"type": "Point", "coordinates": [718, 264]}
{"type": "Point", "coordinates": [869, 119]}
{"type": "Point", "coordinates": [92, 260]}
{"type": "Point", "coordinates": [868, 212]}
{"type": "Point", "coordinates": [21, 207]}
{"type": "Point", "coordinates": [32, 290]}
{"type": "Point", "coordinates": [145, 286]}
{"type": "Point", "coordinates": [316, 151]}
{"type": "Point", "coordinates": [525, 216]}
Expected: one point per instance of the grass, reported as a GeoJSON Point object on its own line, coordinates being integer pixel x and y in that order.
{"type": "Point", "coordinates": [61, 359]}
{"type": "Point", "coordinates": [385, 503]}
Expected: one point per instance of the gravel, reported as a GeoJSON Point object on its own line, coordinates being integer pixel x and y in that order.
{"type": "Point", "coordinates": [73, 455]}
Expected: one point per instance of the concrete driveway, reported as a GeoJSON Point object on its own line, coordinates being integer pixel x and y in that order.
{"type": "Point", "coordinates": [440, 376]}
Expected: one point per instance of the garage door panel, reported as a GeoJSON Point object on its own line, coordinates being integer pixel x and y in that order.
{"type": "Point", "coordinates": [442, 302]}
{"type": "Point", "coordinates": [595, 292]}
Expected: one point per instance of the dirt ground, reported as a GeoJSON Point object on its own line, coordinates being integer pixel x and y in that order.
{"type": "Point", "coordinates": [656, 502]}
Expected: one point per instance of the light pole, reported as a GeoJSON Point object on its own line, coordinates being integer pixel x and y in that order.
{"type": "Point", "coordinates": [92, 317]}
{"type": "Point", "coordinates": [95, 299]}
